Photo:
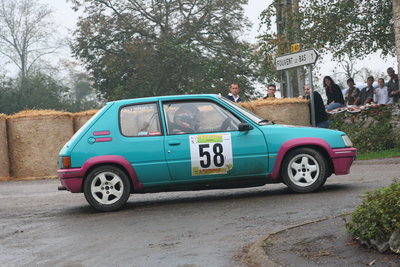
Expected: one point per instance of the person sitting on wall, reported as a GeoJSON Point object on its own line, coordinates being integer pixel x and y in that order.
{"type": "Point", "coordinates": [234, 93]}
{"type": "Point", "coordinates": [333, 93]}
{"type": "Point", "coordinates": [321, 118]}
{"type": "Point", "coordinates": [381, 93]}
{"type": "Point", "coordinates": [352, 94]}
{"type": "Point", "coordinates": [271, 90]}
{"type": "Point", "coordinates": [367, 93]}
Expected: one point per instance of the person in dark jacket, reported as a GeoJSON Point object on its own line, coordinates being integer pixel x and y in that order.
{"type": "Point", "coordinates": [234, 93]}
{"type": "Point", "coordinates": [321, 118]}
{"type": "Point", "coordinates": [271, 90]}
{"type": "Point", "coordinates": [367, 93]}
{"type": "Point", "coordinates": [393, 85]}
{"type": "Point", "coordinates": [333, 93]}
{"type": "Point", "coordinates": [352, 93]}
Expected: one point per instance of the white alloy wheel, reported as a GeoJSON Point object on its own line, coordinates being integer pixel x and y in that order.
{"type": "Point", "coordinates": [107, 188]}
{"type": "Point", "coordinates": [303, 170]}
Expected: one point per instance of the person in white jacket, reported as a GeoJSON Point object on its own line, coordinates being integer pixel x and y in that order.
{"type": "Point", "coordinates": [381, 93]}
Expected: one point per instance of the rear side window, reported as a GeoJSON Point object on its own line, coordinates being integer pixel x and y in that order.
{"type": "Point", "coordinates": [140, 120]}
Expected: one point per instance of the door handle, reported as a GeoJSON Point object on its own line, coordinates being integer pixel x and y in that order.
{"type": "Point", "coordinates": [174, 143]}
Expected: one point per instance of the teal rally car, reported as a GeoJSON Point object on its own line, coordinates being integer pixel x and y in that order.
{"type": "Point", "coordinates": [193, 142]}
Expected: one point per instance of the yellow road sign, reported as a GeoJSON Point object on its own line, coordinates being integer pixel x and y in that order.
{"type": "Point", "coordinates": [295, 48]}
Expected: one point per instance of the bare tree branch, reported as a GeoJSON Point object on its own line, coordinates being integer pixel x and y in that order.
{"type": "Point", "coordinates": [26, 32]}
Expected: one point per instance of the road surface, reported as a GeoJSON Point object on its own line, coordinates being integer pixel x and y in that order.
{"type": "Point", "coordinates": [40, 226]}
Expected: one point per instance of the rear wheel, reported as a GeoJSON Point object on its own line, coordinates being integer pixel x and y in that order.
{"type": "Point", "coordinates": [106, 188]}
{"type": "Point", "coordinates": [304, 170]}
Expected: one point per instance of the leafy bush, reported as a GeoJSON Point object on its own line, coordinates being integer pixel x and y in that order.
{"type": "Point", "coordinates": [378, 215]}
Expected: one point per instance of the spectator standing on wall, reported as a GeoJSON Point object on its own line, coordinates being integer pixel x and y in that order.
{"type": "Point", "coordinates": [352, 93]}
{"type": "Point", "coordinates": [271, 90]}
{"type": "Point", "coordinates": [333, 93]}
{"type": "Point", "coordinates": [381, 93]}
{"type": "Point", "coordinates": [393, 85]}
{"type": "Point", "coordinates": [367, 93]}
{"type": "Point", "coordinates": [321, 118]}
{"type": "Point", "coordinates": [234, 93]}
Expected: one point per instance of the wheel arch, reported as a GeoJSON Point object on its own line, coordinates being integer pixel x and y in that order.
{"type": "Point", "coordinates": [119, 166]}
{"type": "Point", "coordinates": [317, 144]}
{"type": "Point", "coordinates": [320, 149]}
{"type": "Point", "coordinates": [115, 161]}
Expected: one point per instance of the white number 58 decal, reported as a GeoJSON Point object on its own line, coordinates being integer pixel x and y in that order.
{"type": "Point", "coordinates": [211, 153]}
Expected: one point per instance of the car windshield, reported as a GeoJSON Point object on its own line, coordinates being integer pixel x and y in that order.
{"type": "Point", "coordinates": [255, 118]}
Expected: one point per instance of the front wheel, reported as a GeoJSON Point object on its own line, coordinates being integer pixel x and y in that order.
{"type": "Point", "coordinates": [304, 170]}
{"type": "Point", "coordinates": [106, 188]}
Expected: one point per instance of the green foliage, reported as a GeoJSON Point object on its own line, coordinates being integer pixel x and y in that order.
{"type": "Point", "coordinates": [145, 48]}
{"type": "Point", "coordinates": [373, 132]}
{"type": "Point", "coordinates": [352, 28]}
{"type": "Point", "coordinates": [38, 91]}
{"type": "Point", "coordinates": [378, 215]}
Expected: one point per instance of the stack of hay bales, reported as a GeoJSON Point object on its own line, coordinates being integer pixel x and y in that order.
{"type": "Point", "coordinates": [35, 138]}
{"type": "Point", "coordinates": [4, 163]}
{"type": "Point", "coordinates": [291, 111]}
{"type": "Point", "coordinates": [81, 118]}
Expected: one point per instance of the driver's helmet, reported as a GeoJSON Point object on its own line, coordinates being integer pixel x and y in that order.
{"type": "Point", "coordinates": [187, 118]}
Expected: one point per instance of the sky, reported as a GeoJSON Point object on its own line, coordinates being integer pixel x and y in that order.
{"type": "Point", "coordinates": [66, 19]}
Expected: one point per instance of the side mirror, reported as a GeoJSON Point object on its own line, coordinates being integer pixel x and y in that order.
{"type": "Point", "coordinates": [244, 126]}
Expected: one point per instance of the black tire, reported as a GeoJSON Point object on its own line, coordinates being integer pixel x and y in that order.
{"type": "Point", "coordinates": [304, 170]}
{"type": "Point", "coordinates": [106, 188]}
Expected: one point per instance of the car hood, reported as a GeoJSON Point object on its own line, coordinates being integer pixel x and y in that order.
{"type": "Point", "coordinates": [277, 134]}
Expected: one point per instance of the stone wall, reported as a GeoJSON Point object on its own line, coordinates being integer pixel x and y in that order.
{"type": "Point", "coordinates": [372, 129]}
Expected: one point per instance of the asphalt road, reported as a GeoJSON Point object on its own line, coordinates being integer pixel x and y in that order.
{"type": "Point", "coordinates": [40, 226]}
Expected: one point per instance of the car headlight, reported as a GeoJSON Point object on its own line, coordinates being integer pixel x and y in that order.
{"type": "Point", "coordinates": [347, 141]}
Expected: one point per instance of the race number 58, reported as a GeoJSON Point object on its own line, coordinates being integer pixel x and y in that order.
{"type": "Point", "coordinates": [216, 154]}
{"type": "Point", "coordinates": [211, 153]}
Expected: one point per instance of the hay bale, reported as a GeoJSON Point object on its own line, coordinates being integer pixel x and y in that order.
{"type": "Point", "coordinates": [292, 111]}
{"type": "Point", "coordinates": [81, 118]}
{"type": "Point", "coordinates": [4, 162]}
{"type": "Point", "coordinates": [35, 138]}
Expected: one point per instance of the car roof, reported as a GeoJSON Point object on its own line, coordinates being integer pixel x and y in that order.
{"type": "Point", "coordinates": [163, 98]}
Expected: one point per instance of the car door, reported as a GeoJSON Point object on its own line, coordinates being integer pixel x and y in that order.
{"type": "Point", "coordinates": [143, 142]}
{"type": "Point", "coordinates": [203, 141]}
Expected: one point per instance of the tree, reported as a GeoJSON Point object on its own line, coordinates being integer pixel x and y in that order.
{"type": "Point", "coordinates": [141, 48]}
{"type": "Point", "coordinates": [346, 69]}
{"type": "Point", "coordinates": [396, 16]}
{"type": "Point", "coordinates": [26, 32]}
{"type": "Point", "coordinates": [354, 28]}
{"type": "Point", "coordinates": [45, 92]}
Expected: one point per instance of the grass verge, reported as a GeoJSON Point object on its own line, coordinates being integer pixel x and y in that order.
{"type": "Point", "coordinates": [379, 154]}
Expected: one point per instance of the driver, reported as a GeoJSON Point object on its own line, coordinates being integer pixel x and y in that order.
{"type": "Point", "coordinates": [187, 119]}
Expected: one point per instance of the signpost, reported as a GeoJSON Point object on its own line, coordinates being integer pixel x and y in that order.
{"type": "Point", "coordinates": [302, 58]}
{"type": "Point", "coordinates": [298, 59]}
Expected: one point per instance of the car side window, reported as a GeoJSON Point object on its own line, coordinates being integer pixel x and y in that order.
{"type": "Point", "coordinates": [198, 117]}
{"type": "Point", "coordinates": [140, 120]}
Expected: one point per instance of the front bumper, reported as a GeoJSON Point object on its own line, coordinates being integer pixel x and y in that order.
{"type": "Point", "coordinates": [342, 159]}
{"type": "Point", "coordinates": [72, 179]}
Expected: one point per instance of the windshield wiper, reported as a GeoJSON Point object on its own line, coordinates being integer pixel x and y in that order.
{"type": "Point", "coordinates": [266, 121]}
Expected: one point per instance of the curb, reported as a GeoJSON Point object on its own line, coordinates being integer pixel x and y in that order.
{"type": "Point", "coordinates": [384, 161]}
{"type": "Point", "coordinates": [12, 179]}
{"type": "Point", "coordinates": [255, 254]}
